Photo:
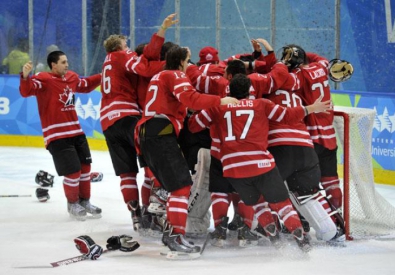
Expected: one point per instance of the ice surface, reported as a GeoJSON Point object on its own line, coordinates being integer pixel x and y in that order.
{"type": "Point", "coordinates": [34, 234]}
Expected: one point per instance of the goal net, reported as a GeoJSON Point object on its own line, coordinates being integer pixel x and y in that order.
{"type": "Point", "coordinates": [366, 213]}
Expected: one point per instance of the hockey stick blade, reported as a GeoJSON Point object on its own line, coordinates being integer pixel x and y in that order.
{"type": "Point", "coordinates": [72, 260]}
{"type": "Point", "coordinates": [14, 196]}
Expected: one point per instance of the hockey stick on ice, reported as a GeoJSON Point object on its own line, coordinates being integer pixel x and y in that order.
{"type": "Point", "coordinates": [72, 260]}
{"type": "Point", "coordinates": [76, 259]}
{"type": "Point", "coordinates": [14, 196]}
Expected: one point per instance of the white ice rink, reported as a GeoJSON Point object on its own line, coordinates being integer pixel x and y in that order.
{"type": "Point", "coordinates": [34, 234]}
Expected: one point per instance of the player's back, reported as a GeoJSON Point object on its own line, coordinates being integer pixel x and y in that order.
{"type": "Point", "coordinates": [117, 82]}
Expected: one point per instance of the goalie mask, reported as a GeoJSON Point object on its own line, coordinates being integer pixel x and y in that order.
{"type": "Point", "coordinates": [340, 70]}
{"type": "Point", "coordinates": [292, 56]}
{"type": "Point", "coordinates": [44, 179]}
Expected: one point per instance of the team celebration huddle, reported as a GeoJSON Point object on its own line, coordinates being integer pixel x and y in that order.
{"type": "Point", "coordinates": [254, 131]}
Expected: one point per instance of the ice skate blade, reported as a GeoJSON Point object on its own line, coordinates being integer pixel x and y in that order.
{"type": "Point", "coordinates": [217, 243]}
{"type": "Point", "coordinates": [248, 243]}
{"type": "Point", "coordinates": [176, 255]}
{"type": "Point", "coordinates": [78, 218]}
{"type": "Point", "coordinates": [93, 216]}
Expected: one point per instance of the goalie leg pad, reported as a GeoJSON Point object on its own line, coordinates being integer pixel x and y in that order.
{"type": "Point", "coordinates": [316, 215]}
{"type": "Point", "coordinates": [200, 199]}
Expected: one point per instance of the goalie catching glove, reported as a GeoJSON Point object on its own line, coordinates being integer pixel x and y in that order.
{"type": "Point", "coordinates": [123, 243]}
{"type": "Point", "coordinates": [88, 247]}
{"type": "Point", "coordinates": [340, 70]}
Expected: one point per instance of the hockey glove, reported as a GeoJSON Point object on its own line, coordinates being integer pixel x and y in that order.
{"type": "Point", "coordinates": [44, 179]}
{"type": "Point", "coordinates": [42, 194]}
{"type": "Point", "coordinates": [88, 247]}
{"type": "Point", "coordinates": [96, 176]}
{"type": "Point", "coordinates": [123, 243]}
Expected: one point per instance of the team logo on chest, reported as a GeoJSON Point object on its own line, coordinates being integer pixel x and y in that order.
{"type": "Point", "coordinates": [67, 97]}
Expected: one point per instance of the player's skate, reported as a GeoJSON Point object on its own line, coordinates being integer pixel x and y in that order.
{"type": "Point", "coordinates": [90, 208]}
{"type": "Point", "coordinates": [135, 211]}
{"type": "Point", "coordinates": [339, 240]}
{"type": "Point", "coordinates": [157, 201]}
{"type": "Point", "coordinates": [180, 248]}
{"type": "Point", "coordinates": [233, 225]}
{"type": "Point", "coordinates": [302, 240]}
{"type": "Point", "coordinates": [218, 236]}
{"type": "Point", "coordinates": [146, 220]}
{"type": "Point", "coordinates": [157, 225]}
{"type": "Point", "coordinates": [246, 237]}
{"type": "Point", "coordinates": [76, 211]}
{"type": "Point", "coordinates": [272, 233]}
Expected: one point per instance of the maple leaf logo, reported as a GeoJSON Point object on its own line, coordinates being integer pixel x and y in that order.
{"type": "Point", "coordinates": [67, 97]}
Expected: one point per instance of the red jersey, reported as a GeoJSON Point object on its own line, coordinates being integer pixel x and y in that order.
{"type": "Point", "coordinates": [55, 100]}
{"type": "Point", "coordinates": [242, 131]}
{"type": "Point", "coordinates": [260, 83]}
{"type": "Point", "coordinates": [295, 134]}
{"type": "Point", "coordinates": [120, 72]}
{"type": "Point", "coordinates": [151, 52]}
{"type": "Point", "coordinates": [314, 84]}
{"type": "Point", "coordinates": [168, 96]}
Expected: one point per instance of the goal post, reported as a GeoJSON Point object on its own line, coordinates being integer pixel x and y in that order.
{"type": "Point", "coordinates": [366, 213]}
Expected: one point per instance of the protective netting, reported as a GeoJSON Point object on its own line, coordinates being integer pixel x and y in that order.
{"type": "Point", "coordinates": [370, 214]}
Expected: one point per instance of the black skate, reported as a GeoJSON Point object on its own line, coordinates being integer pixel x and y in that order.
{"type": "Point", "coordinates": [157, 226]}
{"type": "Point", "coordinates": [234, 224]}
{"type": "Point", "coordinates": [302, 240]}
{"type": "Point", "coordinates": [246, 237]}
{"type": "Point", "coordinates": [272, 234]}
{"type": "Point", "coordinates": [218, 236]}
{"type": "Point", "coordinates": [135, 211]}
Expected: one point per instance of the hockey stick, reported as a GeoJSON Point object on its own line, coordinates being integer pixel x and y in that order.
{"type": "Point", "coordinates": [81, 258]}
{"type": "Point", "coordinates": [72, 260]}
{"type": "Point", "coordinates": [14, 196]}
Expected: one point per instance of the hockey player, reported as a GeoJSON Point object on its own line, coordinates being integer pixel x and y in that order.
{"type": "Point", "coordinates": [247, 164]}
{"type": "Point", "coordinates": [168, 94]}
{"type": "Point", "coordinates": [63, 135]}
{"type": "Point", "coordinates": [261, 84]}
{"type": "Point", "coordinates": [311, 73]}
{"type": "Point", "coordinates": [120, 109]}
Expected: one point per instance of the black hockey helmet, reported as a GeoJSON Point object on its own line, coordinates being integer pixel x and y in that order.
{"type": "Point", "coordinates": [292, 56]}
{"type": "Point", "coordinates": [44, 179]}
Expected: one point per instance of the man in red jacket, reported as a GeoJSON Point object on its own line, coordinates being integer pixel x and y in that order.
{"type": "Point", "coordinates": [63, 135]}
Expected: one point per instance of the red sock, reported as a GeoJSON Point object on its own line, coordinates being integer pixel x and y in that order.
{"type": "Point", "coordinates": [177, 209]}
{"type": "Point", "coordinates": [129, 188]}
{"type": "Point", "coordinates": [85, 181]}
{"type": "Point", "coordinates": [146, 188]}
{"type": "Point", "coordinates": [246, 212]}
{"type": "Point", "coordinates": [287, 214]}
{"type": "Point", "coordinates": [219, 206]}
{"type": "Point", "coordinates": [71, 187]}
{"type": "Point", "coordinates": [263, 213]}
{"type": "Point", "coordinates": [332, 188]}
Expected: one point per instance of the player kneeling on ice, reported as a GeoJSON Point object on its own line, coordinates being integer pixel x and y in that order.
{"type": "Point", "coordinates": [247, 164]}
